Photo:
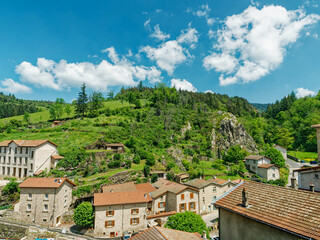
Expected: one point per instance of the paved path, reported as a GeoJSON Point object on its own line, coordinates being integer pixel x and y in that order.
{"type": "Point", "coordinates": [210, 217]}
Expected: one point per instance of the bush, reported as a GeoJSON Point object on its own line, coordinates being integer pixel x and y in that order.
{"type": "Point", "coordinates": [276, 157]}
{"type": "Point", "coordinates": [83, 215]}
{"type": "Point", "coordinates": [136, 159]}
{"type": "Point", "coordinates": [128, 164]}
{"type": "Point", "coordinates": [195, 160]}
{"type": "Point", "coordinates": [150, 160]}
{"type": "Point", "coordinates": [170, 176]}
{"type": "Point", "coordinates": [114, 164]}
{"type": "Point", "coordinates": [235, 154]}
{"type": "Point", "coordinates": [146, 170]}
{"type": "Point", "coordinates": [186, 164]}
{"type": "Point", "coordinates": [10, 188]}
{"type": "Point", "coordinates": [170, 165]}
{"type": "Point", "coordinates": [154, 178]}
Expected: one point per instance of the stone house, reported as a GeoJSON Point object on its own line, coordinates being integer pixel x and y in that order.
{"type": "Point", "coordinates": [210, 190]}
{"type": "Point", "coordinates": [159, 173]}
{"type": "Point", "coordinates": [175, 197]}
{"type": "Point", "coordinates": [254, 210]}
{"type": "Point", "coordinates": [44, 200]}
{"type": "Point", "coordinates": [23, 158]}
{"type": "Point", "coordinates": [159, 233]}
{"type": "Point", "coordinates": [115, 147]}
{"type": "Point", "coordinates": [307, 176]}
{"type": "Point", "coordinates": [182, 177]}
{"type": "Point", "coordinates": [317, 127]}
{"type": "Point", "coordinates": [268, 171]}
{"type": "Point", "coordinates": [120, 213]}
{"type": "Point", "coordinates": [253, 161]}
{"type": "Point", "coordinates": [283, 150]}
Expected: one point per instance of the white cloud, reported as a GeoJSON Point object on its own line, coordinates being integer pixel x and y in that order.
{"type": "Point", "coordinates": [203, 12]}
{"type": "Point", "coordinates": [10, 86]}
{"type": "Point", "coordinates": [210, 21]}
{"type": "Point", "coordinates": [147, 24]}
{"type": "Point", "coordinates": [254, 42]}
{"type": "Point", "coordinates": [211, 34]}
{"type": "Point", "coordinates": [167, 55]}
{"type": "Point", "coordinates": [183, 85]}
{"type": "Point", "coordinates": [63, 75]}
{"type": "Point", "coordinates": [302, 92]}
{"type": "Point", "coordinates": [158, 34]}
{"type": "Point", "coordinates": [209, 91]}
{"type": "Point", "coordinates": [158, 10]}
{"type": "Point", "coordinates": [189, 36]}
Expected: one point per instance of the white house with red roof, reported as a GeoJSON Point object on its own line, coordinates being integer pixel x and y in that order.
{"type": "Point", "coordinates": [261, 165]}
{"type": "Point", "coordinates": [23, 158]}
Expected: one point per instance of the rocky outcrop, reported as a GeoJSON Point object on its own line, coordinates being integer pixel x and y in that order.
{"type": "Point", "coordinates": [185, 128]}
{"type": "Point", "coordinates": [122, 177]}
{"type": "Point", "coordinates": [227, 131]}
{"type": "Point", "coordinates": [177, 155]}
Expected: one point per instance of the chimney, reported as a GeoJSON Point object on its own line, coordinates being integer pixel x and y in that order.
{"type": "Point", "coordinates": [245, 201]}
{"type": "Point", "coordinates": [311, 187]}
{"type": "Point", "coordinates": [294, 183]}
{"type": "Point", "coordinates": [204, 235]}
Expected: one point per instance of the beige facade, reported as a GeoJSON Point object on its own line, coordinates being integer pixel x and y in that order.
{"type": "Point", "coordinates": [307, 177]}
{"type": "Point", "coordinates": [236, 227]}
{"type": "Point", "coordinates": [117, 220]}
{"type": "Point", "coordinates": [45, 206]}
{"type": "Point", "coordinates": [270, 173]}
{"type": "Point", "coordinates": [23, 161]}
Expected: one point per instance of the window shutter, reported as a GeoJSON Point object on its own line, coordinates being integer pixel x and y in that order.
{"type": "Point", "coordinates": [180, 208]}
{"type": "Point", "coordinates": [113, 223]}
{"type": "Point", "coordinates": [112, 212]}
{"type": "Point", "coordinates": [189, 206]}
{"type": "Point", "coordinates": [164, 204]}
{"type": "Point", "coordinates": [131, 211]}
{"type": "Point", "coordinates": [185, 206]}
{"type": "Point", "coordinates": [107, 213]}
{"type": "Point", "coordinates": [106, 224]}
{"type": "Point", "coordinates": [191, 195]}
{"type": "Point", "coordinates": [137, 210]}
{"type": "Point", "coordinates": [158, 204]}
{"type": "Point", "coordinates": [138, 220]}
{"type": "Point", "coordinates": [131, 221]}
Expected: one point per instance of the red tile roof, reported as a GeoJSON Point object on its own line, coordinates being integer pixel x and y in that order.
{"type": "Point", "coordinates": [57, 157]}
{"type": "Point", "coordinates": [25, 143]}
{"type": "Point", "coordinates": [218, 180]}
{"type": "Point", "coordinates": [146, 187]}
{"type": "Point", "coordinates": [128, 187]}
{"type": "Point", "coordinates": [44, 182]}
{"type": "Point", "coordinates": [159, 233]}
{"type": "Point", "coordinates": [294, 211]}
{"type": "Point", "coordinates": [265, 165]}
{"type": "Point", "coordinates": [163, 182]}
{"type": "Point", "coordinates": [118, 198]}
{"type": "Point", "coordinates": [316, 126]}
{"type": "Point", "coordinates": [164, 214]}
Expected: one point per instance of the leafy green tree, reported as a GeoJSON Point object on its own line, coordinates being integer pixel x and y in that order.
{"type": "Point", "coordinates": [146, 170]}
{"type": "Point", "coordinates": [68, 110]}
{"type": "Point", "coordinates": [154, 178]}
{"type": "Point", "coordinates": [111, 94]}
{"type": "Point", "coordinates": [95, 103]}
{"type": "Point", "coordinates": [234, 154]}
{"type": "Point", "coordinates": [82, 101]}
{"type": "Point", "coordinates": [136, 159]}
{"type": "Point", "coordinates": [10, 188]}
{"type": "Point", "coordinates": [83, 215]}
{"type": "Point", "coordinates": [150, 159]}
{"type": "Point", "coordinates": [276, 157]}
{"type": "Point", "coordinates": [187, 222]}
{"type": "Point", "coordinates": [170, 176]}
{"type": "Point", "coordinates": [26, 117]}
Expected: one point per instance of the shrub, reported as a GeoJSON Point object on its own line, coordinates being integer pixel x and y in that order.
{"type": "Point", "coordinates": [114, 164]}
{"type": "Point", "coordinates": [128, 164]}
{"type": "Point", "coordinates": [150, 160]}
{"type": "Point", "coordinates": [10, 188]}
{"type": "Point", "coordinates": [136, 159]}
{"type": "Point", "coordinates": [154, 178]}
{"type": "Point", "coordinates": [146, 170]}
{"type": "Point", "coordinates": [83, 215]}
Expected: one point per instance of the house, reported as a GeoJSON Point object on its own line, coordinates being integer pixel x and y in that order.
{"type": "Point", "coordinates": [159, 173]}
{"type": "Point", "coordinates": [262, 211]}
{"type": "Point", "coordinates": [44, 200]}
{"type": "Point", "coordinates": [23, 158]}
{"type": "Point", "coordinates": [268, 171]}
{"type": "Point", "coordinates": [261, 165]}
{"type": "Point", "coordinates": [307, 176]}
{"type": "Point", "coordinates": [120, 213]}
{"type": "Point", "coordinates": [159, 233]}
{"type": "Point", "coordinates": [283, 150]}
{"type": "Point", "coordinates": [115, 147]}
{"type": "Point", "coordinates": [210, 190]}
{"type": "Point", "coordinates": [317, 127]}
{"type": "Point", "coordinates": [171, 196]}
{"type": "Point", "coordinates": [182, 177]}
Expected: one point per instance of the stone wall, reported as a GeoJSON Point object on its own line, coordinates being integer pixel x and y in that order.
{"type": "Point", "coordinates": [8, 231]}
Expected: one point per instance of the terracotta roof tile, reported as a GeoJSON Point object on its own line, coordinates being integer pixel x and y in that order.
{"type": "Point", "coordinates": [295, 211]}
{"type": "Point", "coordinates": [265, 165]}
{"type": "Point", "coordinates": [44, 182]}
{"type": "Point", "coordinates": [197, 183]}
{"type": "Point", "coordinates": [124, 187]}
{"type": "Point", "coordinates": [159, 233]}
{"type": "Point", "coordinates": [57, 157]}
{"type": "Point", "coordinates": [164, 214]}
{"type": "Point", "coordinates": [316, 126]}
{"type": "Point", "coordinates": [146, 187]}
{"type": "Point", "coordinates": [163, 182]}
{"type": "Point", "coordinates": [218, 180]}
{"type": "Point", "coordinates": [117, 198]}
{"type": "Point", "coordinates": [25, 143]}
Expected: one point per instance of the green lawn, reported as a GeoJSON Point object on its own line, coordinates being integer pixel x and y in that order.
{"type": "Point", "coordinates": [307, 156]}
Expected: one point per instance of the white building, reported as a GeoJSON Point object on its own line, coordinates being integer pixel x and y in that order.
{"type": "Point", "coordinates": [23, 158]}
{"type": "Point", "coordinates": [283, 150]}
{"type": "Point", "coordinates": [261, 165]}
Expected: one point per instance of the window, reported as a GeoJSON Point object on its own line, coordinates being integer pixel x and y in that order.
{"type": "Point", "coordinates": [45, 207]}
{"type": "Point", "coordinates": [112, 234]}
{"type": "Point", "coordinates": [26, 161]}
{"type": "Point", "coordinates": [5, 150]}
{"type": "Point", "coordinates": [4, 159]}
{"type": "Point", "coordinates": [273, 175]}
{"type": "Point", "coordinates": [316, 176]}
{"type": "Point", "coordinates": [134, 221]}
{"type": "Point", "coordinates": [191, 195]}
{"type": "Point", "coordinates": [26, 150]}
{"type": "Point", "coordinates": [20, 160]}
{"type": "Point", "coordinates": [192, 206]}
{"type": "Point", "coordinates": [203, 199]}
{"type": "Point", "coordinates": [0, 149]}
{"type": "Point", "coordinates": [109, 223]}
{"type": "Point", "coordinates": [134, 211]}
{"type": "Point", "coordinates": [203, 190]}
{"type": "Point", "coordinates": [109, 213]}
{"type": "Point", "coordinates": [8, 171]}
{"type": "Point", "coordinates": [161, 204]}
{"type": "Point", "coordinates": [31, 167]}
{"type": "Point", "coordinates": [15, 160]}
{"type": "Point", "coordinates": [9, 149]}
{"type": "Point", "coordinates": [161, 198]}
{"type": "Point", "coordinates": [16, 150]}
{"type": "Point", "coordinates": [214, 189]}
{"type": "Point", "coordinates": [65, 203]}
{"type": "Point", "coordinates": [29, 196]}
{"type": "Point", "coordinates": [182, 196]}
{"type": "Point", "coordinates": [32, 154]}
{"type": "Point", "coordinates": [46, 196]}
{"type": "Point", "coordinates": [44, 220]}
{"type": "Point", "coordinates": [28, 207]}
{"type": "Point", "coordinates": [182, 207]}
{"type": "Point", "coordinates": [21, 150]}
{"type": "Point", "coordinates": [9, 160]}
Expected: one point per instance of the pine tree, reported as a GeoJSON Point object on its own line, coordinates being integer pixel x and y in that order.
{"type": "Point", "coordinates": [82, 101]}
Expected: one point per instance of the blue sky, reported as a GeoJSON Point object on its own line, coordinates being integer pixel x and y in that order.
{"type": "Point", "coordinates": [259, 50]}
